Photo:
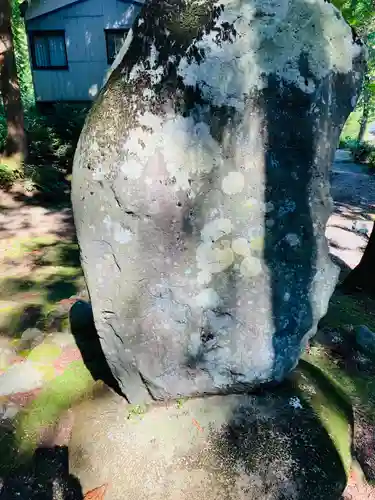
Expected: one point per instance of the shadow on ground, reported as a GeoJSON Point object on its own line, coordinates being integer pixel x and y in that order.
{"type": "Point", "coordinates": [87, 340]}
{"type": "Point", "coordinates": [45, 477]}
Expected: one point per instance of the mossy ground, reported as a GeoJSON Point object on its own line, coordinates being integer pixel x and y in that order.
{"type": "Point", "coordinates": [37, 275]}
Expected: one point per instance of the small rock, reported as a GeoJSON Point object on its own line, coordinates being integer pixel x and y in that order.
{"type": "Point", "coordinates": [365, 338]}
{"type": "Point", "coordinates": [20, 378]}
{"type": "Point", "coordinates": [31, 338]}
{"type": "Point", "coordinates": [10, 412]}
{"type": "Point", "coordinates": [295, 402]}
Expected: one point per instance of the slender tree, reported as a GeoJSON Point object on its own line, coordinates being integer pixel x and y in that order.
{"type": "Point", "coordinates": [362, 277]}
{"type": "Point", "coordinates": [9, 87]}
{"type": "Point", "coordinates": [367, 100]}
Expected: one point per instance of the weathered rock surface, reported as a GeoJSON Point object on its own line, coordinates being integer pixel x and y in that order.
{"type": "Point", "coordinates": [201, 193]}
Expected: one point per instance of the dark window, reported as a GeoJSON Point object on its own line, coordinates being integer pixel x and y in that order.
{"type": "Point", "coordinates": [48, 50]}
{"type": "Point", "coordinates": [114, 40]}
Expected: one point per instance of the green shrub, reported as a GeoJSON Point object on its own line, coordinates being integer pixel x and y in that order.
{"type": "Point", "coordinates": [371, 160]}
{"type": "Point", "coordinates": [52, 138]}
{"type": "Point", "coordinates": [362, 152]}
{"type": "Point", "coordinates": [348, 143]}
{"type": "Point", "coordinates": [3, 132]}
{"type": "Point", "coordinates": [7, 176]}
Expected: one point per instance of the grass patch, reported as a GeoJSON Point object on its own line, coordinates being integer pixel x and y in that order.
{"type": "Point", "coordinates": [351, 128]}
{"type": "Point", "coordinates": [330, 404]}
{"type": "Point", "coordinates": [53, 274]}
{"type": "Point", "coordinates": [136, 411]}
{"type": "Point", "coordinates": [57, 396]}
{"type": "Point", "coordinates": [345, 313]}
{"type": "Point", "coordinates": [349, 310]}
{"type": "Point", "coordinates": [358, 387]}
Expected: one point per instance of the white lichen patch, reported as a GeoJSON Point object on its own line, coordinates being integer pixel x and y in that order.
{"type": "Point", "coordinates": [215, 229]}
{"type": "Point", "coordinates": [257, 243]}
{"type": "Point", "coordinates": [186, 147]}
{"type": "Point", "coordinates": [233, 183]}
{"type": "Point", "coordinates": [241, 247]}
{"type": "Point", "coordinates": [265, 44]}
{"type": "Point", "coordinates": [269, 206]}
{"type": "Point", "coordinates": [250, 203]}
{"type": "Point", "coordinates": [98, 173]}
{"type": "Point", "coordinates": [288, 207]}
{"type": "Point", "coordinates": [214, 259]}
{"type": "Point", "coordinates": [207, 299]}
{"type": "Point", "coordinates": [122, 235]}
{"type": "Point", "coordinates": [250, 267]}
{"type": "Point", "coordinates": [292, 239]}
{"type": "Point", "coordinates": [204, 277]}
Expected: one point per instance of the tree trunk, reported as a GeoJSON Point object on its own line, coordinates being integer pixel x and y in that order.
{"type": "Point", "coordinates": [366, 109]}
{"type": "Point", "coordinates": [9, 86]}
{"type": "Point", "coordinates": [362, 277]}
{"type": "Point", "coordinates": [366, 102]}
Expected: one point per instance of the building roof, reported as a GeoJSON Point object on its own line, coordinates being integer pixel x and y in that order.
{"type": "Point", "coordinates": [36, 8]}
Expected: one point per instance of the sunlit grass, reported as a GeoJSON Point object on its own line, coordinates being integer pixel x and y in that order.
{"type": "Point", "coordinates": [42, 271]}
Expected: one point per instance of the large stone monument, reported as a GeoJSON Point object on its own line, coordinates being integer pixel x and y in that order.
{"type": "Point", "coordinates": [201, 191]}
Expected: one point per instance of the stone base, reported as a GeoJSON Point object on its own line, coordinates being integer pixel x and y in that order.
{"type": "Point", "coordinates": [235, 447]}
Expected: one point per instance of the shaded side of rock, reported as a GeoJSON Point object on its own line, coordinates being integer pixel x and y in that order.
{"type": "Point", "coordinates": [86, 337]}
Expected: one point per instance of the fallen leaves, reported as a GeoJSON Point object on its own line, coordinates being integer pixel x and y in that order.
{"type": "Point", "coordinates": [96, 493]}
{"type": "Point", "coordinates": [68, 302]}
{"type": "Point", "coordinates": [196, 423]}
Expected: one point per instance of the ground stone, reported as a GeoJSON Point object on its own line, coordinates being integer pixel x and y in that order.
{"type": "Point", "coordinates": [234, 447]}
{"type": "Point", "coordinates": [30, 338]}
{"type": "Point", "coordinates": [201, 192]}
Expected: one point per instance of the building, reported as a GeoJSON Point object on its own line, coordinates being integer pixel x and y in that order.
{"type": "Point", "coordinates": [73, 43]}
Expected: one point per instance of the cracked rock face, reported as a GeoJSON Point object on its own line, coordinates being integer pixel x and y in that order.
{"type": "Point", "coordinates": [201, 194]}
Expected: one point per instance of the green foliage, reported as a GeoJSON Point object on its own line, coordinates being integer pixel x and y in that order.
{"type": "Point", "coordinates": [371, 159]}
{"type": "Point", "coordinates": [358, 13]}
{"type": "Point", "coordinates": [3, 130]}
{"type": "Point", "coordinates": [22, 56]}
{"type": "Point", "coordinates": [363, 152]}
{"type": "Point", "coordinates": [7, 177]}
{"type": "Point", "coordinates": [348, 142]}
{"type": "Point", "coordinates": [136, 411]}
{"type": "Point", "coordinates": [52, 139]}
